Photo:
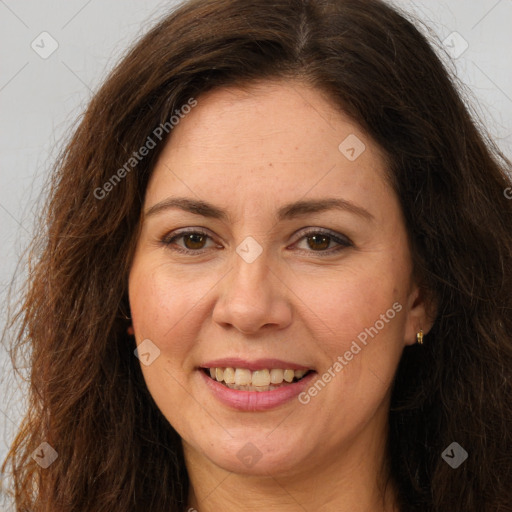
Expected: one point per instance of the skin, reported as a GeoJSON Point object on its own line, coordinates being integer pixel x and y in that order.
{"type": "Point", "coordinates": [250, 152]}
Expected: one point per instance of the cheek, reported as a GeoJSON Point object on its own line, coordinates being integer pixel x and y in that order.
{"type": "Point", "coordinates": [359, 317]}
{"type": "Point", "coordinates": [162, 306]}
{"type": "Point", "coordinates": [351, 299]}
{"type": "Point", "coordinates": [161, 309]}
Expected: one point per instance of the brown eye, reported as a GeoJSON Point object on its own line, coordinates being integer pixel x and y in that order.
{"type": "Point", "coordinates": [193, 242]}
{"type": "Point", "coordinates": [319, 242]}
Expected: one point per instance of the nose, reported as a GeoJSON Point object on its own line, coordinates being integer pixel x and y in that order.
{"type": "Point", "coordinates": [252, 297]}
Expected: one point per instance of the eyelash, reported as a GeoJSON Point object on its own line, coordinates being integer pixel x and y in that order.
{"type": "Point", "coordinates": [343, 241]}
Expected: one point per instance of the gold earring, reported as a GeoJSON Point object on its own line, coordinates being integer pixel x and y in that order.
{"type": "Point", "coordinates": [419, 337]}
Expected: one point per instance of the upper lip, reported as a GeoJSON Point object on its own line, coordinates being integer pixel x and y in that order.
{"type": "Point", "coordinates": [257, 364]}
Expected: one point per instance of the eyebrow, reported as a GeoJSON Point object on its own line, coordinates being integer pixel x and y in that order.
{"type": "Point", "coordinates": [286, 212]}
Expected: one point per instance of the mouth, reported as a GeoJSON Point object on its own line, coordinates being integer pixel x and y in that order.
{"type": "Point", "coordinates": [243, 379]}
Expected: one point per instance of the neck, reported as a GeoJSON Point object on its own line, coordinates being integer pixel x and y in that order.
{"type": "Point", "coordinates": [351, 480]}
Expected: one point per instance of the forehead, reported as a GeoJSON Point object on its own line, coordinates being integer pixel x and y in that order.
{"type": "Point", "coordinates": [279, 139]}
{"type": "Point", "coordinates": [288, 117]}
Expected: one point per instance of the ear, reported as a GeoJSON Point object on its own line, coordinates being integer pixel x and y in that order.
{"type": "Point", "coordinates": [421, 313]}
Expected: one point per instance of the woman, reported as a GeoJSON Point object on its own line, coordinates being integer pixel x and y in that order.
{"type": "Point", "coordinates": [276, 275]}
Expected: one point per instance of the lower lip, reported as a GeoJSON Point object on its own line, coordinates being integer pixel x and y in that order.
{"type": "Point", "coordinates": [256, 400]}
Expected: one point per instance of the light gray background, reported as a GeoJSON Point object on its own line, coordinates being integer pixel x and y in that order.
{"type": "Point", "coordinates": [40, 100]}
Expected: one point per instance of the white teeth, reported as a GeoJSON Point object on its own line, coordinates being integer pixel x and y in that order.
{"type": "Point", "coordinates": [276, 376]}
{"type": "Point", "coordinates": [288, 375]}
{"type": "Point", "coordinates": [258, 378]}
{"type": "Point", "coordinates": [261, 378]}
{"type": "Point", "coordinates": [229, 375]}
{"type": "Point", "coordinates": [242, 377]}
{"type": "Point", "coordinates": [300, 373]}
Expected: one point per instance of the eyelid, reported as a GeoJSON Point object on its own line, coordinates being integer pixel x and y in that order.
{"type": "Point", "coordinates": [342, 240]}
{"type": "Point", "coordinates": [169, 237]}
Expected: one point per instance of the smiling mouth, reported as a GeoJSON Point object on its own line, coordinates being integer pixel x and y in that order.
{"type": "Point", "coordinates": [242, 379]}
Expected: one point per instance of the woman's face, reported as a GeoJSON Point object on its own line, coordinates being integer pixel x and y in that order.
{"type": "Point", "coordinates": [277, 279]}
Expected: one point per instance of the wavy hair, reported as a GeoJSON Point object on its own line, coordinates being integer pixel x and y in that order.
{"type": "Point", "coordinates": [87, 397]}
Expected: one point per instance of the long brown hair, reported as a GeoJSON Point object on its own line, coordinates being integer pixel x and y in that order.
{"type": "Point", "coordinates": [88, 399]}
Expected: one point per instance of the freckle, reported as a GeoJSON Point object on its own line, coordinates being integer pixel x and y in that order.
{"type": "Point", "coordinates": [270, 164]}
